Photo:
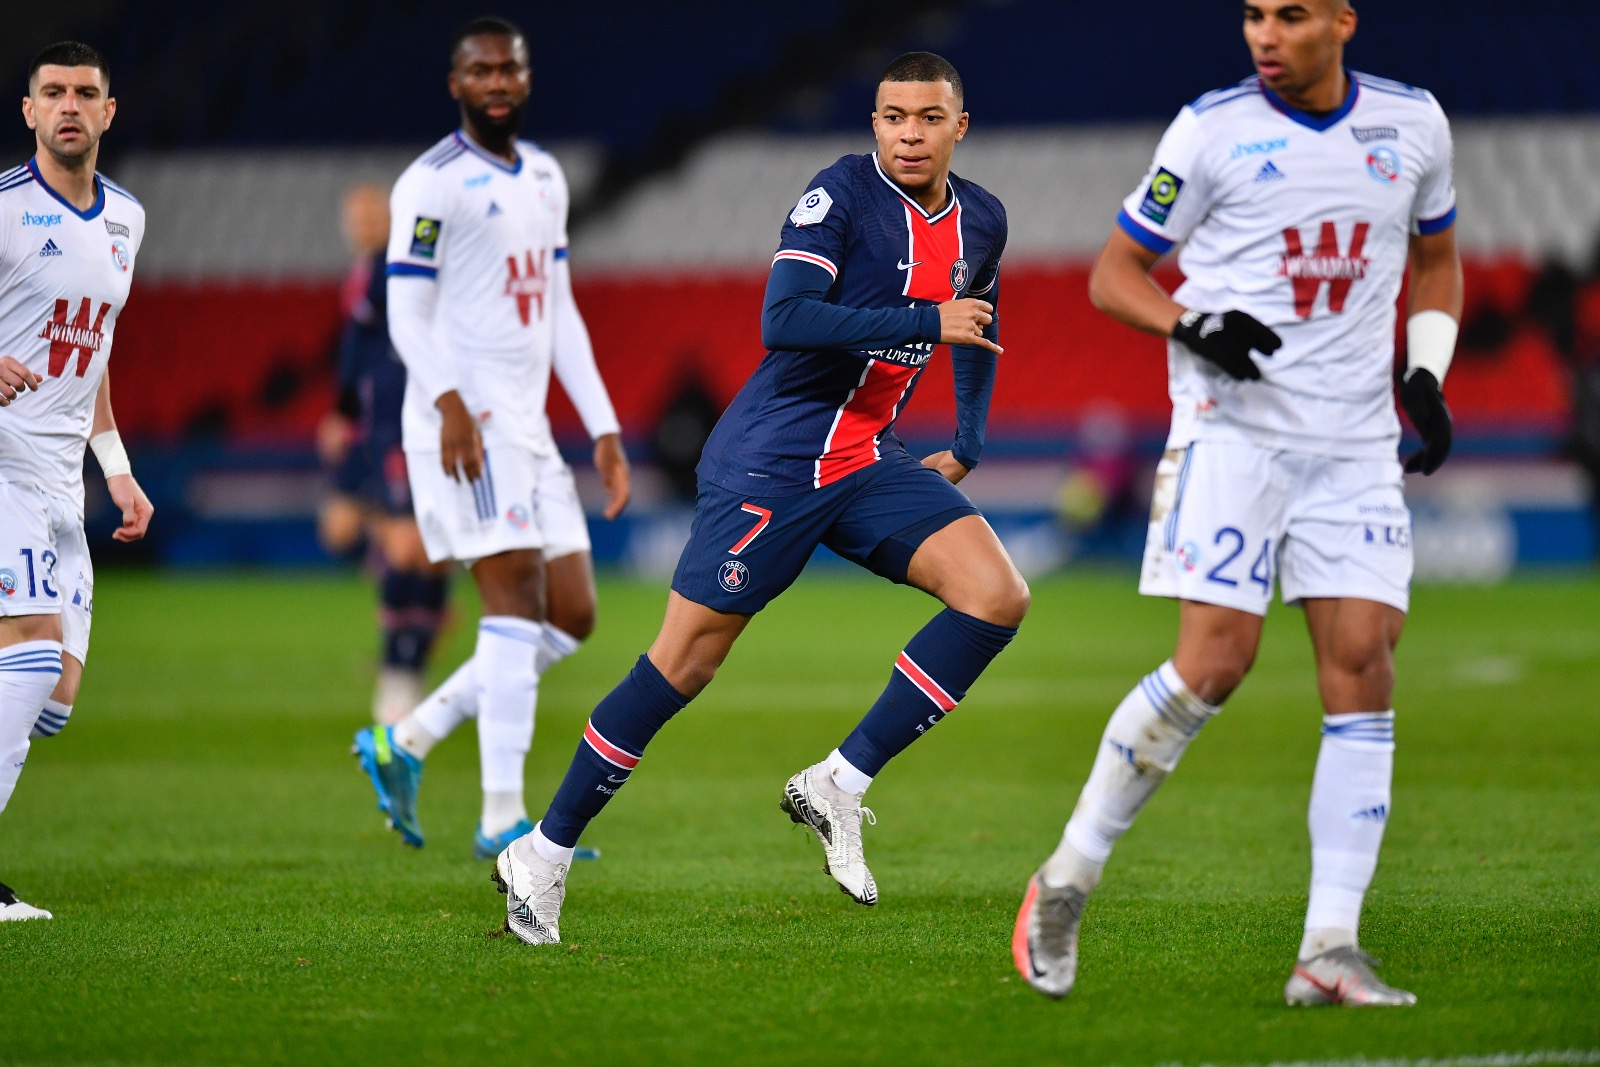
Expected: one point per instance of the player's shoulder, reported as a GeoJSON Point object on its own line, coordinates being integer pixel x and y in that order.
{"type": "Point", "coordinates": [116, 194]}
{"type": "Point", "coordinates": [975, 197]}
{"type": "Point", "coordinates": [1228, 100]}
{"type": "Point", "coordinates": [15, 178]}
{"type": "Point", "coordinates": [1388, 93]}
{"type": "Point", "coordinates": [429, 168]}
{"type": "Point", "coordinates": [850, 174]}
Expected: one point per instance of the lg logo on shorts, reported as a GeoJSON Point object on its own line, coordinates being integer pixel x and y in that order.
{"type": "Point", "coordinates": [733, 576]}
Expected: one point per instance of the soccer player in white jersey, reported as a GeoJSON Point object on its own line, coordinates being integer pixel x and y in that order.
{"type": "Point", "coordinates": [480, 308]}
{"type": "Point", "coordinates": [1298, 196]}
{"type": "Point", "coordinates": [68, 240]}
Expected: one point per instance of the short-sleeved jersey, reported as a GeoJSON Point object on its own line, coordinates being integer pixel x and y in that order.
{"type": "Point", "coordinates": [807, 419]}
{"type": "Point", "coordinates": [490, 232]}
{"type": "Point", "coordinates": [64, 278]}
{"type": "Point", "coordinates": [1303, 222]}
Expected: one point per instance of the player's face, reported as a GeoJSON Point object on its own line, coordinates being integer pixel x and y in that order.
{"type": "Point", "coordinates": [491, 80]}
{"type": "Point", "coordinates": [68, 109]}
{"type": "Point", "coordinates": [918, 125]}
{"type": "Point", "coordinates": [366, 219]}
{"type": "Point", "coordinates": [1297, 44]}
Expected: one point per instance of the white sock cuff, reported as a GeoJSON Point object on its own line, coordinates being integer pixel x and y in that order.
{"type": "Point", "coordinates": [547, 849]}
{"type": "Point", "coordinates": [558, 644]}
{"type": "Point", "coordinates": [52, 719]}
{"type": "Point", "coordinates": [1365, 731]}
{"type": "Point", "coordinates": [846, 775]}
{"type": "Point", "coordinates": [1174, 701]}
{"type": "Point", "coordinates": [512, 627]}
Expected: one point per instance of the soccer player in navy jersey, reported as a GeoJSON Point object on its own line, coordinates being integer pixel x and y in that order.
{"type": "Point", "coordinates": [885, 256]}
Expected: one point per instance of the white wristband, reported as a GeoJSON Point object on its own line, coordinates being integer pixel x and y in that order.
{"type": "Point", "coordinates": [109, 451]}
{"type": "Point", "coordinates": [1430, 342]}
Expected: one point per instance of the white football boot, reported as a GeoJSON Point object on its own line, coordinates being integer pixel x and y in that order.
{"type": "Point", "coordinates": [1044, 942]}
{"type": "Point", "coordinates": [812, 799]}
{"type": "Point", "coordinates": [1342, 975]}
{"type": "Point", "coordinates": [14, 910]}
{"type": "Point", "coordinates": [534, 889]}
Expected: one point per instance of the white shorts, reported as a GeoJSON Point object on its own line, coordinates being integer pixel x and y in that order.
{"type": "Point", "coordinates": [44, 562]}
{"type": "Point", "coordinates": [1227, 520]}
{"type": "Point", "coordinates": [521, 501]}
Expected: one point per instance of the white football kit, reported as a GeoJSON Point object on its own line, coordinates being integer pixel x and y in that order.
{"type": "Point", "coordinates": [64, 278]}
{"type": "Point", "coordinates": [1303, 222]}
{"type": "Point", "coordinates": [480, 301]}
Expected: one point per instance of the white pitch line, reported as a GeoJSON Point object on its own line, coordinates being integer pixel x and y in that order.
{"type": "Point", "coordinates": [1554, 1057]}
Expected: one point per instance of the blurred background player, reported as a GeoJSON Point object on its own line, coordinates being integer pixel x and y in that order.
{"type": "Point", "coordinates": [480, 309]}
{"type": "Point", "coordinates": [68, 239]}
{"type": "Point", "coordinates": [1282, 468]}
{"type": "Point", "coordinates": [360, 441]}
{"type": "Point", "coordinates": [884, 257]}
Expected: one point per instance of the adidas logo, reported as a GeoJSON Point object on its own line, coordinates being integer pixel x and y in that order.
{"type": "Point", "coordinates": [50, 249]}
{"type": "Point", "coordinates": [1269, 173]}
{"type": "Point", "coordinates": [494, 209]}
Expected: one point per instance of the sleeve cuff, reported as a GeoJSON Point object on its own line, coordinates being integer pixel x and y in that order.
{"type": "Point", "coordinates": [1427, 227]}
{"type": "Point", "coordinates": [410, 270]}
{"type": "Point", "coordinates": [1148, 238]}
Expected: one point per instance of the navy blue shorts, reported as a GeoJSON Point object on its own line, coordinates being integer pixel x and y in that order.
{"type": "Point", "coordinates": [743, 551]}
{"type": "Point", "coordinates": [376, 473]}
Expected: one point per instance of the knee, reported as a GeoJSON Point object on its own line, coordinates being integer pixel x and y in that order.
{"type": "Point", "coordinates": [576, 621]}
{"type": "Point", "coordinates": [690, 675]}
{"type": "Point", "coordinates": [1367, 662]}
{"type": "Point", "coordinates": [1002, 599]}
{"type": "Point", "coordinates": [1011, 602]}
{"type": "Point", "coordinates": [1215, 670]}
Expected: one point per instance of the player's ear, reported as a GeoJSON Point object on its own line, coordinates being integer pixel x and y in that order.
{"type": "Point", "coordinates": [1345, 23]}
{"type": "Point", "coordinates": [455, 86]}
{"type": "Point", "coordinates": [111, 110]}
{"type": "Point", "coordinates": [961, 125]}
{"type": "Point", "coordinates": [27, 112]}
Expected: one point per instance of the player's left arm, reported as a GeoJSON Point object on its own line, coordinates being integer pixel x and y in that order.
{"type": "Point", "coordinates": [973, 369]}
{"type": "Point", "coordinates": [113, 458]}
{"type": "Point", "coordinates": [573, 361]}
{"type": "Point", "coordinates": [1433, 314]}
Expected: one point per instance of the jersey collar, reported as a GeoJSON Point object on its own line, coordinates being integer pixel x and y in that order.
{"type": "Point", "coordinates": [94, 209]}
{"type": "Point", "coordinates": [465, 141]}
{"type": "Point", "coordinates": [949, 206]}
{"type": "Point", "coordinates": [1319, 123]}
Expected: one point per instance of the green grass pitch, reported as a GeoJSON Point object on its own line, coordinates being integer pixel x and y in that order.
{"type": "Point", "coordinates": [225, 891]}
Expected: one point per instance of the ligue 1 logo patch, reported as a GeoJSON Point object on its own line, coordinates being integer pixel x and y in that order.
{"type": "Point", "coordinates": [958, 275]}
{"type": "Point", "coordinates": [1383, 163]}
{"type": "Point", "coordinates": [120, 255]}
{"type": "Point", "coordinates": [734, 576]}
{"type": "Point", "coordinates": [8, 582]}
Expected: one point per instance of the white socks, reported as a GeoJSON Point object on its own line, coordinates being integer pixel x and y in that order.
{"type": "Point", "coordinates": [52, 720]}
{"type": "Point", "coordinates": [1141, 745]}
{"type": "Point", "coordinates": [547, 849]}
{"type": "Point", "coordinates": [508, 686]}
{"type": "Point", "coordinates": [501, 811]}
{"type": "Point", "coordinates": [1349, 809]}
{"type": "Point", "coordinates": [29, 671]}
{"type": "Point", "coordinates": [845, 775]}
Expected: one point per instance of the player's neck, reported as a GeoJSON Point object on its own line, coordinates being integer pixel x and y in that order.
{"type": "Point", "coordinates": [73, 181]}
{"type": "Point", "coordinates": [500, 145]}
{"type": "Point", "coordinates": [1323, 96]}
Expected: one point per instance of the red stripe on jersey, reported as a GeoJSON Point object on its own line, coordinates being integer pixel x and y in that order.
{"type": "Point", "coordinates": [933, 249]}
{"type": "Point", "coordinates": [607, 751]}
{"type": "Point", "coordinates": [923, 681]}
{"type": "Point", "coordinates": [853, 441]}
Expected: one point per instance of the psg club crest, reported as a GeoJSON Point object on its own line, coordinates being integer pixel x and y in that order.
{"type": "Point", "coordinates": [734, 576]}
{"type": "Point", "coordinates": [958, 275]}
{"type": "Point", "coordinates": [120, 255]}
{"type": "Point", "coordinates": [1383, 163]}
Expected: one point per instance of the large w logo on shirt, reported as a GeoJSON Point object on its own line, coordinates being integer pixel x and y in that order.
{"type": "Point", "coordinates": [76, 336]}
{"type": "Point", "coordinates": [1326, 264]}
{"type": "Point", "coordinates": [528, 286]}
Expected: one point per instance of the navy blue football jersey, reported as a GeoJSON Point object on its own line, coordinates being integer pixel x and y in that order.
{"type": "Point", "coordinates": [806, 419]}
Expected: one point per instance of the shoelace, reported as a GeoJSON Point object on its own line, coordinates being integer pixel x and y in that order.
{"type": "Point", "coordinates": [850, 824]}
{"type": "Point", "coordinates": [549, 891]}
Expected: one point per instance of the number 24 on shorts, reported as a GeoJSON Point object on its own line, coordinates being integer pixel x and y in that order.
{"type": "Point", "coordinates": [1227, 571]}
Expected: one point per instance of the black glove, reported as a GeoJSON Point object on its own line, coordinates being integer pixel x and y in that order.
{"type": "Point", "coordinates": [1226, 339]}
{"type": "Point", "coordinates": [1424, 402]}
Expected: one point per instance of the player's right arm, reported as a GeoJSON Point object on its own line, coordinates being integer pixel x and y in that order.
{"type": "Point", "coordinates": [419, 236]}
{"type": "Point", "coordinates": [796, 314]}
{"type": "Point", "coordinates": [1171, 202]}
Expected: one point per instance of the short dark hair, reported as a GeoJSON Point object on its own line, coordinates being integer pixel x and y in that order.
{"type": "Point", "coordinates": [70, 54]}
{"type": "Point", "coordinates": [925, 67]}
{"type": "Point", "coordinates": [484, 26]}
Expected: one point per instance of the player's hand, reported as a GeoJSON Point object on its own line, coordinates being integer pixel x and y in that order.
{"type": "Point", "coordinates": [14, 379]}
{"type": "Point", "coordinates": [136, 507]}
{"type": "Point", "coordinates": [961, 322]}
{"type": "Point", "coordinates": [1226, 338]}
{"type": "Point", "coordinates": [333, 438]}
{"type": "Point", "coordinates": [612, 463]}
{"type": "Point", "coordinates": [460, 443]}
{"type": "Point", "coordinates": [946, 464]}
{"type": "Point", "coordinates": [1423, 400]}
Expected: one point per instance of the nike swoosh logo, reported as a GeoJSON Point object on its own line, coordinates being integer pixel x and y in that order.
{"type": "Point", "coordinates": [903, 265]}
{"type": "Point", "coordinates": [614, 778]}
